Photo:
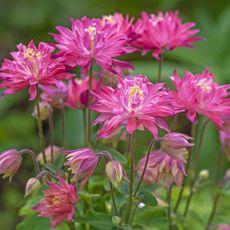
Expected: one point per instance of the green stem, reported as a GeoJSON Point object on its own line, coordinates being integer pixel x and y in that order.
{"type": "Point", "coordinates": [85, 126]}
{"type": "Point", "coordinates": [71, 225]}
{"type": "Point", "coordinates": [169, 208]}
{"type": "Point", "coordinates": [132, 160]}
{"type": "Point", "coordinates": [40, 127]}
{"type": "Point", "coordinates": [51, 131]}
{"type": "Point", "coordinates": [160, 68]}
{"type": "Point", "coordinates": [113, 199]}
{"type": "Point", "coordinates": [63, 125]}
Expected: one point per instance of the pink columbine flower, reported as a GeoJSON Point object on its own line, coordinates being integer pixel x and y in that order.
{"type": "Point", "coordinates": [162, 169]}
{"type": "Point", "coordinates": [10, 162]}
{"type": "Point", "coordinates": [199, 94]}
{"type": "Point", "coordinates": [32, 66]}
{"type": "Point", "coordinates": [223, 227]}
{"type": "Point", "coordinates": [82, 162]}
{"type": "Point", "coordinates": [136, 103]}
{"type": "Point", "coordinates": [175, 144]}
{"type": "Point", "coordinates": [55, 95]}
{"type": "Point", "coordinates": [89, 40]}
{"type": "Point", "coordinates": [163, 31]}
{"type": "Point", "coordinates": [78, 92]}
{"type": "Point", "coordinates": [58, 203]}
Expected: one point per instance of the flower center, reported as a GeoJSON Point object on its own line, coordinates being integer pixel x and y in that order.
{"type": "Point", "coordinates": [30, 53]}
{"type": "Point", "coordinates": [108, 18]}
{"type": "Point", "coordinates": [55, 201]}
{"type": "Point", "coordinates": [204, 85]}
{"type": "Point", "coordinates": [135, 97]}
{"type": "Point", "coordinates": [92, 32]}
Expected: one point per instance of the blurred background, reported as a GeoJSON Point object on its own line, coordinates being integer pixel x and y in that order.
{"type": "Point", "coordinates": [23, 20]}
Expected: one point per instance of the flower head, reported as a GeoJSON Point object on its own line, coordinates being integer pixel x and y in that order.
{"type": "Point", "coordinates": [55, 95]}
{"type": "Point", "coordinates": [163, 31]}
{"type": "Point", "coordinates": [30, 66]}
{"type": "Point", "coordinates": [162, 169]}
{"type": "Point", "coordinates": [10, 162]}
{"type": "Point", "coordinates": [136, 103]}
{"type": "Point", "coordinates": [175, 144]}
{"type": "Point", "coordinates": [223, 227]}
{"type": "Point", "coordinates": [32, 185]}
{"type": "Point", "coordinates": [82, 162]}
{"type": "Point", "coordinates": [199, 94]}
{"type": "Point", "coordinates": [58, 203]}
{"type": "Point", "coordinates": [78, 92]}
{"type": "Point", "coordinates": [88, 40]}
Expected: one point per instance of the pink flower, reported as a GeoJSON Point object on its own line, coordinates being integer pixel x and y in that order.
{"type": "Point", "coordinates": [162, 169]}
{"type": "Point", "coordinates": [89, 40]}
{"type": "Point", "coordinates": [175, 144]}
{"type": "Point", "coordinates": [55, 95]}
{"type": "Point", "coordinates": [136, 103]}
{"type": "Point", "coordinates": [223, 227]}
{"type": "Point", "coordinates": [82, 162]}
{"type": "Point", "coordinates": [163, 31]}
{"type": "Point", "coordinates": [58, 203]}
{"type": "Point", "coordinates": [10, 162]}
{"type": "Point", "coordinates": [199, 94]}
{"type": "Point", "coordinates": [78, 92]}
{"type": "Point", "coordinates": [31, 66]}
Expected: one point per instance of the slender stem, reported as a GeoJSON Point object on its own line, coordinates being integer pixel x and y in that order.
{"type": "Point", "coordinates": [194, 166]}
{"type": "Point", "coordinates": [193, 134]}
{"type": "Point", "coordinates": [71, 225]}
{"type": "Point", "coordinates": [63, 125]}
{"type": "Point", "coordinates": [33, 156]}
{"type": "Point", "coordinates": [132, 160]}
{"type": "Point", "coordinates": [113, 199]}
{"type": "Point", "coordinates": [51, 130]}
{"type": "Point", "coordinates": [46, 173]}
{"type": "Point", "coordinates": [145, 166]}
{"type": "Point", "coordinates": [85, 126]}
{"type": "Point", "coordinates": [160, 68]}
{"type": "Point", "coordinates": [169, 208]}
{"type": "Point", "coordinates": [40, 127]}
{"type": "Point", "coordinates": [89, 102]}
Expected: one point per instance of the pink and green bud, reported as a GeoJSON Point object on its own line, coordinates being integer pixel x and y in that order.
{"type": "Point", "coordinates": [32, 185]}
{"type": "Point", "coordinates": [175, 145]}
{"type": "Point", "coordinates": [10, 162]}
{"type": "Point", "coordinates": [44, 111]}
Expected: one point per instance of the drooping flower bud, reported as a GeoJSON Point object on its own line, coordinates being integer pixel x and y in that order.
{"type": "Point", "coordinates": [115, 172]}
{"type": "Point", "coordinates": [10, 162]}
{"type": "Point", "coordinates": [175, 144]}
{"type": "Point", "coordinates": [44, 111]}
{"type": "Point", "coordinates": [31, 186]}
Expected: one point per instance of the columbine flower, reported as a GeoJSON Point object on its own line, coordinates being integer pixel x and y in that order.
{"type": "Point", "coordinates": [32, 185]}
{"type": "Point", "coordinates": [89, 40]}
{"type": "Point", "coordinates": [136, 103]}
{"type": "Point", "coordinates": [162, 169]}
{"type": "Point", "coordinates": [223, 227]}
{"type": "Point", "coordinates": [31, 66]}
{"type": "Point", "coordinates": [55, 95]}
{"type": "Point", "coordinates": [199, 94]}
{"type": "Point", "coordinates": [82, 162]}
{"type": "Point", "coordinates": [78, 92]}
{"type": "Point", "coordinates": [10, 162]}
{"type": "Point", "coordinates": [58, 203]}
{"type": "Point", "coordinates": [163, 31]}
{"type": "Point", "coordinates": [175, 144]}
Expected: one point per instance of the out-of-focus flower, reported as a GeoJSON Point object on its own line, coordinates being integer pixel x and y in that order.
{"type": "Point", "coordinates": [58, 202]}
{"type": "Point", "coordinates": [136, 103]}
{"type": "Point", "coordinates": [204, 174]}
{"type": "Point", "coordinates": [175, 144]}
{"type": "Point", "coordinates": [82, 162]}
{"type": "Point", "coordinates": [55, 95]}
{"type": "Point", "coordinates": [78, 92]}
{"type": "Point", "coordinates": [10, 162]}
{"type": "Point", "coordinates": [199, 94]}
{"type": "Point", "coordinates": [32, 66]}
{"type": "Point", "coordinates": [163, 31]}
{"type": "Point", "coordinates": [44, 110]}
{"type": "Point", "coordinates": [32, 185]}
{"type": "Point", "coordinates": [223, 227]}
{"type": "Point", "coordinates": [115, 172]}
{"type": "Point", "coordinates": [56, 151]}
{"type": "Point", "coordinates": [89, 40]}
{"type": "Point", "coordinates": [162, 169]}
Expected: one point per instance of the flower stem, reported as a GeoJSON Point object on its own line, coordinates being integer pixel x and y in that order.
{"type": "Point", "coordinates": [33, 156]}
{"type": "Point", "coordinates": [85, 126]}
{"type": "Point", "coordinates": [63, 125]}
{"type": "Point", "coordinates": [71, 225]}
{"type": "Point", "coordinates": [131, 178]}
{"type": "Point", "coordinates": [40, 128]}
{"type": "Point", "coordinates": [160, 67]}
{"type": "Point", "coordinates": [51, 130]}
{"type": "Point", "coordinates": [46, 173]}
{"type": "Point", "coordinates": [169, 208]}
{"type": "Point", "coordinates": [89, 102]}
{"type": "Point", "coordinates": [145, 166]}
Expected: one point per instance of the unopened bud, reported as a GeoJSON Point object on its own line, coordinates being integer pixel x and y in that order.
{"type": "Point", "coordinates": [32, 185]}
{"type": "Point", "coordinates": [116, 220]}
{"type": "Point", "coordinates": [44, 111]}
{"type": "Point", "coordinates": [204, 174]}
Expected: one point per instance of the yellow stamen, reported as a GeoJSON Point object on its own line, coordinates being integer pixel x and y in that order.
{"type": "Point", "coordinates": [108, 18]}
{"type": "Point", "coordinates": [30, 53]}
{"type": "Point", "coordinates": [92, 31]}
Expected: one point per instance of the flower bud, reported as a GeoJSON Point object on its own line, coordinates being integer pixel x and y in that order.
{"type": "Point", "coordinates": [10, 162]}
{"type": "Point", "coordinates": [116, 220]}
{"type": "Point", "coordinates": [31, 186]}
{"type": "Point", "coordinates": [204, 174]}
{"type": "Point", "coordinates": [44, 111]}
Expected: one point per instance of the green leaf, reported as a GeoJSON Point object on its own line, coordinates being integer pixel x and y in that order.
{"type": "Point", "coordinates": [148, 199]}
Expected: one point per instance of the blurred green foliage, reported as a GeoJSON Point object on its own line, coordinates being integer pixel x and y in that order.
{"type": "Point", "coordinates": [23, 20]}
